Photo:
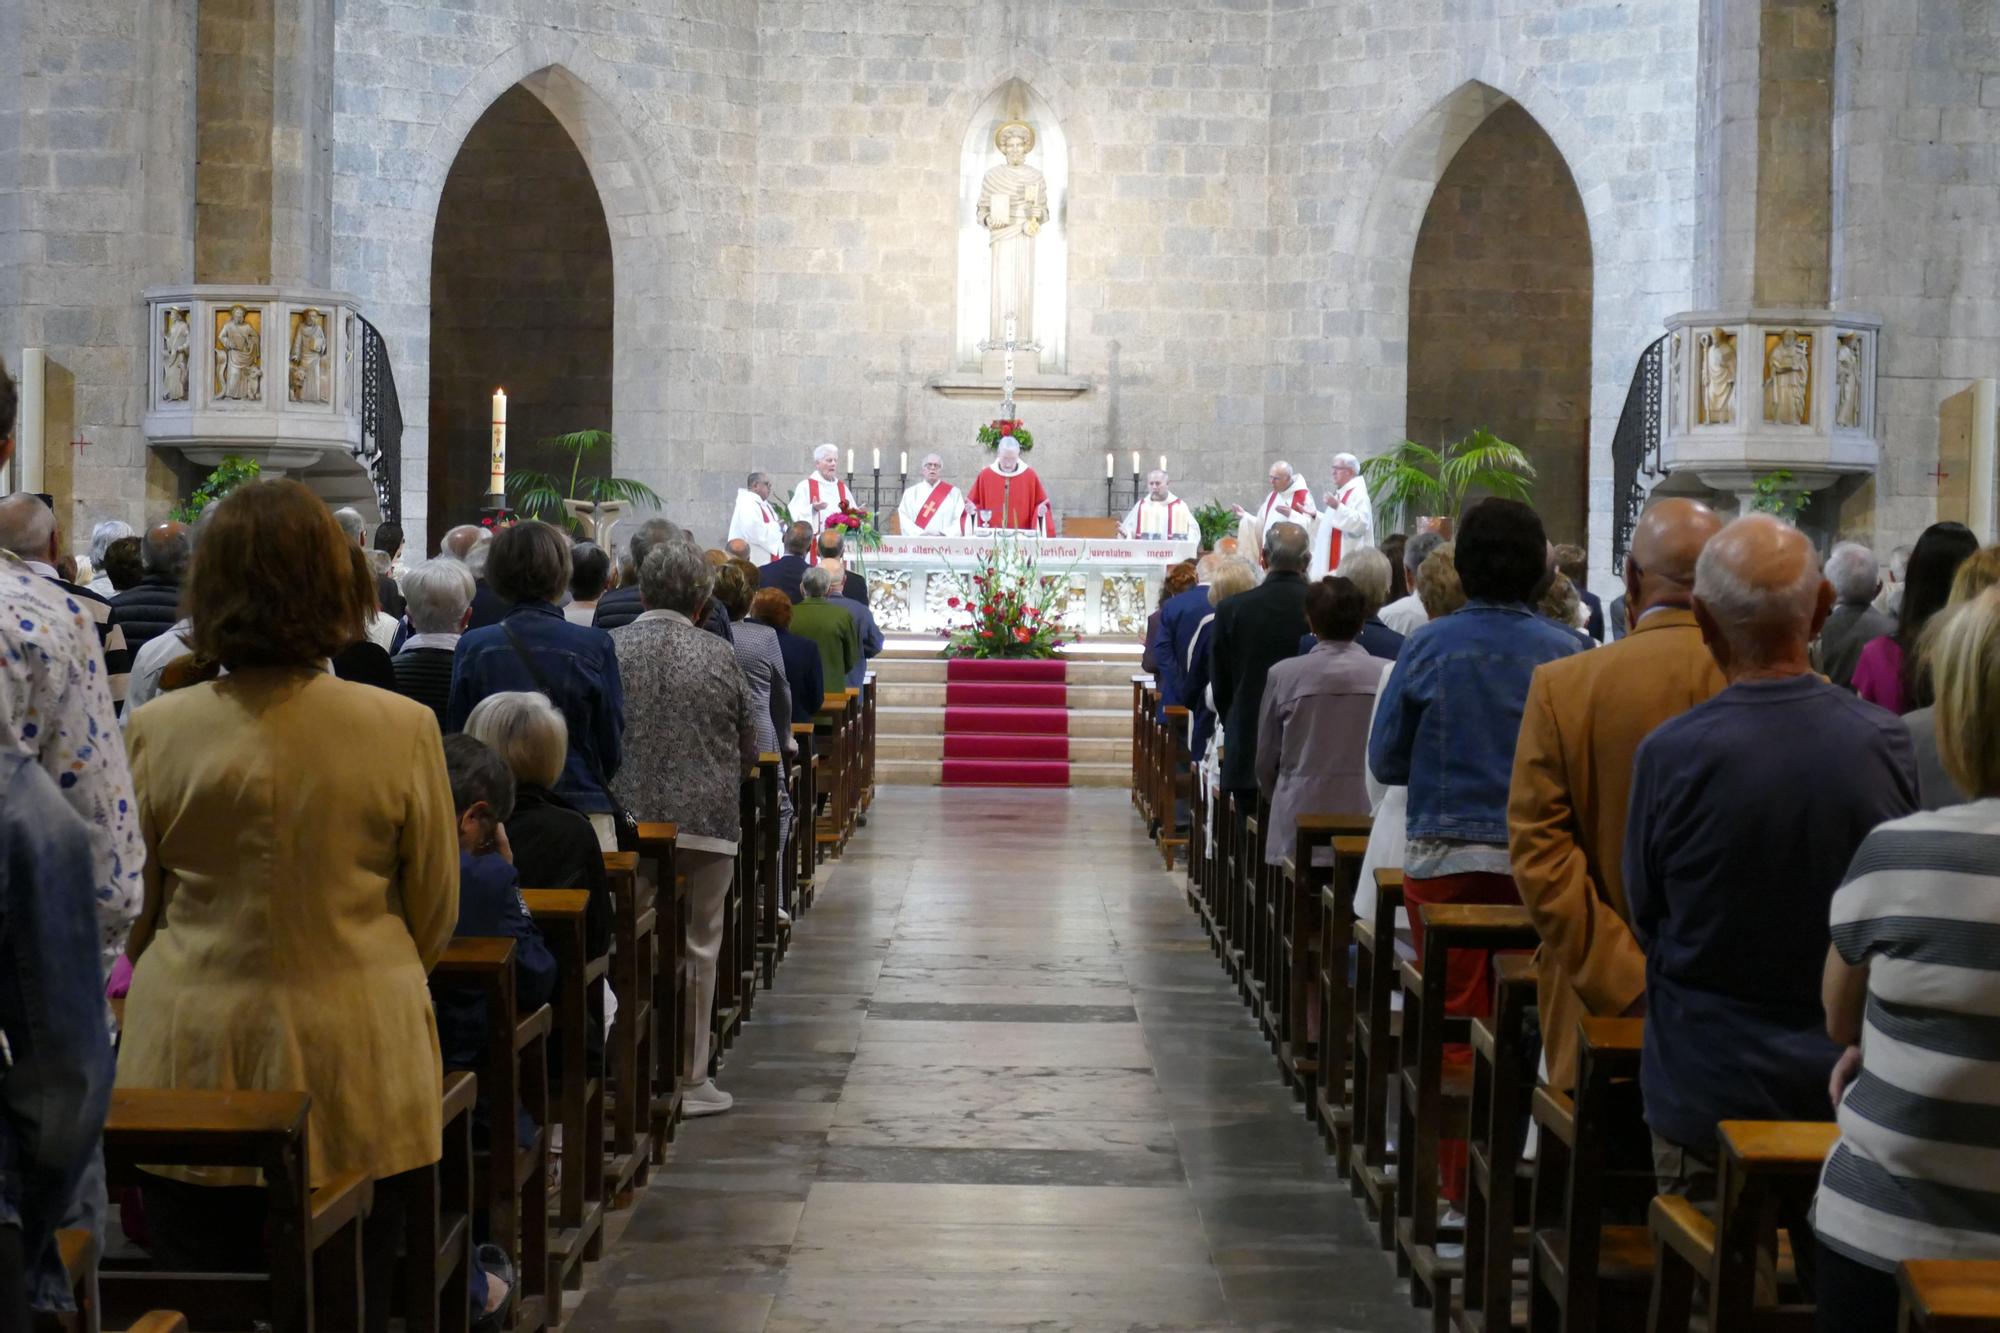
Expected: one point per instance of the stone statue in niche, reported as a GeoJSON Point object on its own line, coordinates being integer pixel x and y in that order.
{"type": "Point", "coordinates": [1847, 380]}
{"type": "Point", "coordinates": [1013, 205]}
{"type": "Point", "coordinates": [1718, 378]}
{"type": "Point", "coordinates": [1787, 378]}
{"type": "Point", "coordinates": [239, 357]}
{"type": "Point", "coordinates": [308, 366]}
{"type": "Point", "coordinates": [176, 341]}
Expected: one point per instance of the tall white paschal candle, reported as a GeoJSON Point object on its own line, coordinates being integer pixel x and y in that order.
{"type": "Point", "coordinates": [498, 483]}
{"type": "Point", "coordinates": [850, 462]}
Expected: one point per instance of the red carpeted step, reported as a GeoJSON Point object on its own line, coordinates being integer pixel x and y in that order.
{"type": "Point", "coordinates": [1036, 670]}
{"type": "Point", "coordinates": [1007, 721]}
{"type": "Point", "coordinates": [1005, 773]}
{"type": "Point", "coordinates": [1005, 694]}
{"type": "Point", "coordinates": [1006, 747]}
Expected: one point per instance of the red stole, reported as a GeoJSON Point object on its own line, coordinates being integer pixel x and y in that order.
{"type": "Point", "coordinates": [843, 499]}
{"type": "Point", "coordinates": [1298, 500]}
{"type": "Point", "coordinates": [1333, 541]}
{"type": "Point", "coordinates": [929, 511]}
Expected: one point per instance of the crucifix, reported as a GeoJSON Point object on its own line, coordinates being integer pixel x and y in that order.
{"type": "Point", "coordinates": [1938, 473]}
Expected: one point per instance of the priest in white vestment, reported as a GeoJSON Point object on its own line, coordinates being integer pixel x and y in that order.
{"type": "Point", "coordinates": [1347, 523]}
{"type": "Point", "coordinates": [933, 507]}
{"type": "Point", "coordinates": [756, 522]}
{"type": "Point", "coordinates": [822, 494]}
{"type": "Point", "coordinates": [1160, 514]}
{"type": "Point", "coordinates": [1290, 501]}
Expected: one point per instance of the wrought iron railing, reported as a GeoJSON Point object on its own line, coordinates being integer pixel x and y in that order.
{"type": "Point", "coordinates": [1635, 448]}
{"type": "Point", "coordinates": [381, 449]}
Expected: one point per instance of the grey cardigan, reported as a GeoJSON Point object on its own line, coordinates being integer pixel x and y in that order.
{"type": "Point", "coordinates": [689, 729]}
{"type": "Point", "coordinates": [1312, 738]}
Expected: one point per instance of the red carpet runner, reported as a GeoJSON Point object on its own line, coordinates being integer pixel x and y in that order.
{"type": "Point", "coordinates": [1006, 724]}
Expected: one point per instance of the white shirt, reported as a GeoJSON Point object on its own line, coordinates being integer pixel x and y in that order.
{"type": "Point", "coordinates": [1352, 518]}
{"type": "Point", "coordinates": [1405, 615]}
{"type": "Point", "coordinates": [832, 494]}
{"type": "Point", "coordinates": [948, 521]}
{"type": "Point", "coordinates": [756, 522]}
{"type": "Point", "coordinates": [1170, 517]}
{"type": "Point", "coordinates": [150, 663]}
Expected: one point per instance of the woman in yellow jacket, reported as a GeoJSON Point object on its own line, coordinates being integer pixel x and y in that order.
{"type": "Point", "coordinates": [301, 881]}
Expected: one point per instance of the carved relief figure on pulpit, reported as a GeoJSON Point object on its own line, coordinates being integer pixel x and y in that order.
{"type": "Point", "coordinates": [176, 341]}
{"type": "Point", "coordinates": [1847, 380]}
{"type": "Point", "coordinates": [309, 352]}
{"type": "Point", "coordinates": [1718, 378]}
{"type": "Point", "coordinates": [1013, 205]}
{"type": "Point", "coordinates": [239, 357]}
{"type": "Point", "coordinates": [1787, 377]}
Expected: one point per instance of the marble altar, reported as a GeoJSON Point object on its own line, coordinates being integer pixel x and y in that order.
{"type": "Point", "coordinates": [1113, 584]}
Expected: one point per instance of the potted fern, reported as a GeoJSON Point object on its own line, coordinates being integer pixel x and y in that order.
{"type": "Point", "coordinates": [591, 505]}
{"type": "Point", "coordinates": [1416, 482]}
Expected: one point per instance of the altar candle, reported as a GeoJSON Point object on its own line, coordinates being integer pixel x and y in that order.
{"type": "Point", "coordinates": [1109, 467]}
{"type": "Point", "coordinates": [1163, 462]}
{"type": "Point", "coordinates": [850, 461]}
{"type": "Point", "coordinates": [1135, 462]}
{"type": "Point", "coordinates": [878, 460]}
{"type": "Point", "coordinates": [903, 463]}
{"type": "Point", "coordinates": [499, 478]}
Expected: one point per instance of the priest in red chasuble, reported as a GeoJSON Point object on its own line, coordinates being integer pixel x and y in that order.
{"type": "Point", "coordinates": [1008, 494]}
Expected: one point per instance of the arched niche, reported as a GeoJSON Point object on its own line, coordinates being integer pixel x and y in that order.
{"type": "Point", "coordinates": [1014, 100]}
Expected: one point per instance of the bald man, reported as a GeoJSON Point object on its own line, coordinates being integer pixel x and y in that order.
{"type": "Point", "coordinates": [28, 529]}
{"type": "Point", "coordinates": [1745, 812]}
{"type": "Point", "coordinates": [1583, 722]}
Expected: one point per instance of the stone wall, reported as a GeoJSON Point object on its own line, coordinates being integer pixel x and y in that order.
{"type": "Point", "coordinates": [1500, 311]}
{"type": "Point", "coordinates": [1916, 234]}
{"type": "Point", "coordinates": [521, 298]}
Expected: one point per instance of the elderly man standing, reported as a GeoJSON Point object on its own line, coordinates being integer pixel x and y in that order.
{"type": "Point", "coordinates": [1583, 722]}
{"type": "Point", "coordinates": [755, 523]}
{"type": "Point", "coordinates": [830, 627]}
{"type": "Point", "coordinates": [1160, 515]}
{"type": "Point", "coordinates": [1406, 615]}
{"type": "Point", "coordinates": [1856, 580]}
{"type": "Point", "coordinates": [932, 507]}
{"type": "Point", "coordinates": [1290, 501]}
{"type": "Point", "coordinates": [1745, 813]}
{"type": "Point", "coordinates": [28, 529]}
{"type": "Point", "coordinates": [1347, 523]}
{"type": "Point", "coordinates": [1254, 631]}
{"type": "Point", "coordinates": [789, 570]}
{"type": "Point", "coordinates": [153, 606]}
{"type": "Point", "coordinates": [822, 493]}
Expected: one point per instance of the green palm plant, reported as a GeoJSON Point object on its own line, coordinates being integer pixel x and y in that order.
{"type": "Point", "coordinates": [541, 495]}
{"type": "Point", "coordinates": [1412, 480]}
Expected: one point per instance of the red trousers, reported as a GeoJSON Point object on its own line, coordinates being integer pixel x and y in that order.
{"type": "Point", "coordinates": [1468, 988]}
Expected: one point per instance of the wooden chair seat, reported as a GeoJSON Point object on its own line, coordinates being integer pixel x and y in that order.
{"type": "Point", "coordinates": [1624, 1253]}
{"type": "Point", "coordinates": [673, 1031]}
{"type": "Point", "coordinates": [1505, 1048]}
{"type": "Point", "coordinates": [1950, 1296]}
{"type": "Point", "coordinates": [1371, 1163]}
{"type": "Point", "coordinates": [628, 1048]}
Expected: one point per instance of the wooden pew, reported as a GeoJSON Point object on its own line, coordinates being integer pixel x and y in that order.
{"type": "Point", "coordinates": [770, 869]}
{"type": "Point", "coordinates": [850, 721]}
{"type": "Point", "coordinates": [1766, 1173]}
{"type": "Point", "coordinates": [673, 1024]}
{"type": "Point", "coordinates": [1175, 780]}
{"type": "Point", "coordinates": [869, 690]}
{"type": "Point", "coordinates": [1142, 685]}
{"type": "Point", "coordinates": [1584, 1274]}
{"type": "Point", "coordinates": [805, 804]}
{"type": "Point", "coordinates": [1371, 1163]}
{"type": "Point", "coordinates": [628, 1048]}
{"type": "Point", "coordinates": [78, 1252]}
{"type": "Point", "coordinates": [1299, 883]}
{"type": "Point", "coordinates": [830, 738]}
{"type": "Point", "coordinates": [579, 1107]}
{"type": "Point", "coordinates": [736, 964]}
{"type": "Point", "coordinates": [1505, 1048]}
{"type": "Point", "coordinates": [1331, 1103]}
{"type": "Point", "coordinates": [438, 1266]}
{"type": "Point", "coordinates": [1946, 1296]}
{"type": "Point", "coordinates": [1435, 1102]}
{"type": "Point", "coordinates": [313, 1235]}
{"type": "Point", "coordinates": [512, 1177]}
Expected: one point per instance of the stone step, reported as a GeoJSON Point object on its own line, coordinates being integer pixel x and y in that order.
{"type": "Point", "coordinates": [928, 772]}
{"type": "Point", "coordinates": [931, 671]}
{"type": "Point", "coordinates": [1101, 698]}
{"type": "Point", "coordinates": [906, 720]}
{"type": "Point", "coordinates": [1082, 749]}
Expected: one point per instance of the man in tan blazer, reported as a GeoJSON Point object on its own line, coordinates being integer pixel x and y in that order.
{"type": "Point", "coordinates": [1584, 720]}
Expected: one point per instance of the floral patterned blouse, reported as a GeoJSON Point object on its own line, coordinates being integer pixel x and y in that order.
{"type": "Point", "coordinates": [56, 702]}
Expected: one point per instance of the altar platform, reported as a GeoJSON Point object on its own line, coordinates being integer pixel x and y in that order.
{"type": "Point", "coordinates": [1112, 584]}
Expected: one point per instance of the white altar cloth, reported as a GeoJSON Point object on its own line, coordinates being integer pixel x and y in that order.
{"type": "Point", "coordinates": [1113, 584]}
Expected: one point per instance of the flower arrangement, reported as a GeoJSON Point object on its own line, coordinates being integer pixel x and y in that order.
{"type": "Point", "coordinates": [1009, 610]}
{"type": "Point", "coordinates": [856, 525]}
{"type": "Point", "coordinates": [993, 432]}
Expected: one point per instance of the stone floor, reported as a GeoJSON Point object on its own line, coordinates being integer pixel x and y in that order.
{"type": "Point", "coordinates": [1001, 1084]}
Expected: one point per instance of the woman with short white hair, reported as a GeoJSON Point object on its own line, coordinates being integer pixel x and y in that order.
{"type": "Point", "coordinates": [101, 537]}
{"type": "Point", "coordinates": [437, 596]}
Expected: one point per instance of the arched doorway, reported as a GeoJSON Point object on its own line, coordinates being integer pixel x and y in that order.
{"type": "Point", "coordinates": [1500, 311]}
{"type": "Point", "coordinates": [521, 298]}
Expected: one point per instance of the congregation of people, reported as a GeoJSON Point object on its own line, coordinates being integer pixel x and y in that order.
{"type": "Point", "coordinates": [263, 771]}
{"type": "Point", "coordinates": [1755, 802]}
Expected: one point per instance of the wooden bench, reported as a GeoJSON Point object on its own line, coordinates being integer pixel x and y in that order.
{"type": "Point", "coordinates": [1142, 795]}
{"type": "Point", "coordinates": [1331, 1100]}
{"type": "Point", "coordinates": [870, 690]}
{"type": "Point", "coordinates": [1950, 1296]}
{"type": "Point", "coordinates": [579, 1104]}
{"type": "Point", "coordinates": [1505, 1048]}
{"type": "Point", "coordinates": [673, 1023]}
{"type": "Point", "coordinates": [1371, 1164]}
{"type": "Point", "coordinates": [1175, 781]}
{"type": "Point", "coordinates": [512, 1177]}
{"type": "Point", "coordinates": [78, 1252]}
{"type": "Point", "coordinates": [1435, 1102]}
{"type": "Point", "coordinates": [313, 1236]}
{"type": "Point", "coordinates": [829, 830]}
{"type": "Point", "coordinates": [1766, 1174]}
{"type": "Point", "coordinates": [1299, 882]}
{"type": "Point", "coordinates": [805, 804]}
{"type": "Point", "coordinates": [438, 1266]}
{"type": "Point", "coordinates": [628, 1047]}
{"type": "Point", "coordinates": [1586, 1274]}
{"type": "Point", "coordinates": [766, 927]}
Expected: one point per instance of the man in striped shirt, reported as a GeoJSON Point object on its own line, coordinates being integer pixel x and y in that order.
{"type": "Point", "coordinates": [1913, 977]}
